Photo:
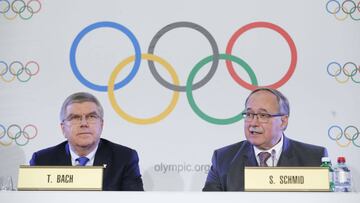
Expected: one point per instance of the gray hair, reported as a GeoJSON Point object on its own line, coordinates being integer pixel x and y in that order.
{"type": "Point", "coordinates": [80, 97]}
{"type": "Point", "coordinates": [283, 102]}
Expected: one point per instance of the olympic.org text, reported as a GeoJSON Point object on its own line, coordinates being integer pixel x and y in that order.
{"type": "Point", "coordinates": [183, 167]}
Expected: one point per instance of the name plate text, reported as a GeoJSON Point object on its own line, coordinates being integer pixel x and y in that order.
{"type": "Point", "coordinates": [286, 179]}
{"type": "Point", "coordinates": [60, 178]}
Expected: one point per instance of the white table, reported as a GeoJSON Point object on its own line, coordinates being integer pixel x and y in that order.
{"type": "Point", "coordinates": [171, 197]}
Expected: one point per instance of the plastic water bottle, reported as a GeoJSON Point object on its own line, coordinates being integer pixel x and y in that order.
{"type": "Point", "coordinates": [342, 176]}
{"type": "Point", "coordinates": [326, 163]}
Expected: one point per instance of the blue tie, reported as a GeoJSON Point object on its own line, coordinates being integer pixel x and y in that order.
{"type": "Point", "coordinates": [82, 160]}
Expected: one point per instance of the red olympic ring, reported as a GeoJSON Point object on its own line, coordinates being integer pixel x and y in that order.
{"type": "Point", "coordinates": [276, 28]}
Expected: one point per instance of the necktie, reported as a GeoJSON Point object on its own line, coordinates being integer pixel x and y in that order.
{"type": "Point", "coordinates": [82, 160]}
{"type": "Point", "coordinates": [264, 156]}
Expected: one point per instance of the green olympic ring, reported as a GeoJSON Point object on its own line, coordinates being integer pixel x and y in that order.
{"type": "Point", "coordinates": [190, 80]}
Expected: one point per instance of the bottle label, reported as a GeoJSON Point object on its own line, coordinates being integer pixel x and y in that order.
{"type": "Point", "coordinates": [342, 177]}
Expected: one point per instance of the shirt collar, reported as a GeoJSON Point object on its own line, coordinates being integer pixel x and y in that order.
{"type": "Point", "coordinates": [90, 156]}
{"type": "Point", "coordinates": [276, 154]}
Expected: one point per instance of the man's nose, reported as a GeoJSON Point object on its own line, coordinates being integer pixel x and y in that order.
{"type": "Point", "coordinates": [84, 121]}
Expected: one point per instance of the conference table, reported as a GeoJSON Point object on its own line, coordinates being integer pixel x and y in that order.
{"type": "Point", "coordinates": [173, 197]}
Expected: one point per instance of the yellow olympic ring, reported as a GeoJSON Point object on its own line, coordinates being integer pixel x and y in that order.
{"type": "Point", "coordinates": [128, 117]}
{"type": "Point", "coordinates": [342, 81]}
{"type": "Point", "coordinates": [6, 80]}
{"type": "Point", "coordinates": [341, 18]}
{"type": "Point", "coordinates": [6, 144]}
{"type": "Point", "coordinates": [342, 145]}
{"type": "Point", "coordinates": [10, 17]}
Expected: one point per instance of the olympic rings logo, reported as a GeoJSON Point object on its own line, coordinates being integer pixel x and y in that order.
{"type": "Point", "coordinates": [343, 10]}
{"type": "Point", "coordinates": [18, 70]}
{"type": "Point", "coordinates": [350, 133]}
{"type": "Point", "coordinates": [343, 73]}
{"type": "Point", "coordinates": [14, 132]}
{"type": "Point", "coordinates": [175, 86]}
{"type": "Point", "coordinates": [19, 8]}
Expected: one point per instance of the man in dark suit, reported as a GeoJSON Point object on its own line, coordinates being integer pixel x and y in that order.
{"type": "Point", "coordinates": [82, 123]}
{"type": "Point", "coordinates": [266, 118]}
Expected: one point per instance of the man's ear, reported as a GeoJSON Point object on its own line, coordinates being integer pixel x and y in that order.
{"type": "Point", "coordinates": [63, 129]}
{"type": "Point", "coordinates": [102, 125]}
{"type": "Point", "coordinates": [284, 122]}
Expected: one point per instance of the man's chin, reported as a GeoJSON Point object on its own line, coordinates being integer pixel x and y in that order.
{"type": "Point", "coordinates": [254, 137]}
{"type": "Point", "coordinates": [254, 141]}
{"type": "Point", "coordinates": [85, 144]}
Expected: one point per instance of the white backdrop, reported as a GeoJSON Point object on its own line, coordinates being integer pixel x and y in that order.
{"type": "Point", "coordinates": [175, 152]}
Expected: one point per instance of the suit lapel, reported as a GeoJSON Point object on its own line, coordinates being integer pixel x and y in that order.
{"type": "Point", "coordinates": [64, 160]}
{"type": "Point", "coordinates": [244, 157]}
{"type": "Point", "coordinates": [287, 157]}
{"type": "Point", "coordinates": [102, 155]}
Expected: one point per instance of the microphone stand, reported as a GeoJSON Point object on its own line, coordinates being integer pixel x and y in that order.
{"type": "Point", "coordinates": [273, 157]}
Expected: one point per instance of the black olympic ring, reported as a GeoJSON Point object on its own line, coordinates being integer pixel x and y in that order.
{"type": "Point", "coordinates": [208, 36]}
{"type": "Point", "coordinates": [351, 134]}
{"type": "Point", "coordinates": [17, 69]}
{"type": "Point", "coordinates": [15, 133]}
{"type": "Point", "coordinates": [352, 8]}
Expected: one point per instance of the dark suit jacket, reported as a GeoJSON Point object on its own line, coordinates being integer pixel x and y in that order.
{"type": "Point", "coordinates": [121, 172]}
{"type": "Point", "coordinates": [227, 170]}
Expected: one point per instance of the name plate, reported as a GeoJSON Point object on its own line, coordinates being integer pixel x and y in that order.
{"type": "Point", "coordinates": [286, 179]}
{"type": "Point", "coordinates": [60, 177]}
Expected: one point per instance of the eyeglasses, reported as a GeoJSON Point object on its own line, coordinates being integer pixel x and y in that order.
{"type": "Point", "coordinates": [262, 117]}
{"type": "Point", "coordinates": [74, 119]}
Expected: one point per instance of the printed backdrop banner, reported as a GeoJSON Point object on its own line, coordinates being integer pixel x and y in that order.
{"type": "Point", "coordinates": [173, 76]}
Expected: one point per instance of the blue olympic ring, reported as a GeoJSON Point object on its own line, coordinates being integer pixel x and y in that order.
{"type": "Point", "coordinates": [349, 69]}
{"type": "Point", "coordinates": [351, 134]}
{"type": "Point", "coordinates": [90, 28]}
{"type": "Point", "coordinates": [14, 133]}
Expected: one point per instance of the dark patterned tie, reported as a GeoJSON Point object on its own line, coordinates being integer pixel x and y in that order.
{"type": "Point", "coordinates": [82, 160]}
{"type": "Point", "coordinates": [263, 157]}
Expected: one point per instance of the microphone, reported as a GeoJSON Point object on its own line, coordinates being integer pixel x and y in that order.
{"type": "Point", "coordinates": [273, 152]}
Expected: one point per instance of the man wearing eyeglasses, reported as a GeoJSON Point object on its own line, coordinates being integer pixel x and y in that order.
{"type": "Point", "coordinates": [266, 118]}
{"type": "Point", "coordinates": [82, 123]}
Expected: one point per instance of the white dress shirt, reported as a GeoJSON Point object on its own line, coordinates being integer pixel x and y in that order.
{"type": "Point", "coordinates": [273, 160]}
{"type": "Point", "coordinates": [90, 156]}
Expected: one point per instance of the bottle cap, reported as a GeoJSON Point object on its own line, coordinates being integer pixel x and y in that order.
{"type": "Point", "coordinates": [341, 159]}
{"type": "Point", "coordinates": [325, 159]}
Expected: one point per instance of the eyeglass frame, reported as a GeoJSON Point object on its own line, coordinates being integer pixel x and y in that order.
{"type": "Point", "coordinates": [248, 116]}
{"type": "Point", "coordinates": [76, 119]}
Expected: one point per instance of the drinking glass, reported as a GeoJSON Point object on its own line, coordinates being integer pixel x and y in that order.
{"type": "Point", "coordinates": [6, 183]}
